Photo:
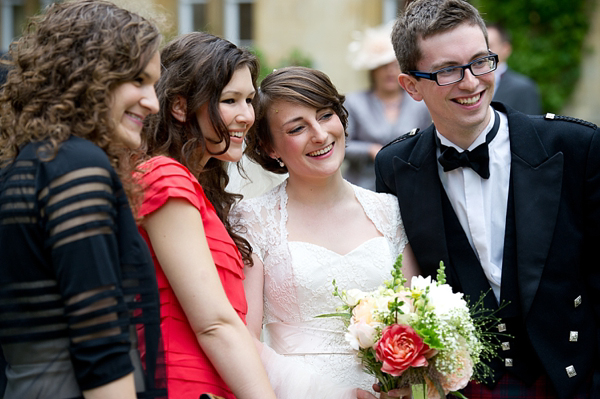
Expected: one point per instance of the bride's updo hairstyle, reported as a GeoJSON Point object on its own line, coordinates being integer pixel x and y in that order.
{"type": "Point", "coordinates": [300, 85]}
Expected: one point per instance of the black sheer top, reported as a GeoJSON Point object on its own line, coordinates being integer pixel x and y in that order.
{"type": "Point", "coordinates": [78, 296]}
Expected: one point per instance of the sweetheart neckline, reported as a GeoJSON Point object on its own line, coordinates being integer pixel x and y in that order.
{"type": "Point", "coordinates": [334, 252]}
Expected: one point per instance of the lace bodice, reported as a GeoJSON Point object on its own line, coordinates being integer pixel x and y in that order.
{"type": "Point", "coordinates": [298, 278]}
{"type": "Point", "coordinates": [298, 275]}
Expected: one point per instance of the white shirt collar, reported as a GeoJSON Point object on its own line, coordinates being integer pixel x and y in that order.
{"type": "Point", "coordinates": [479, 140]}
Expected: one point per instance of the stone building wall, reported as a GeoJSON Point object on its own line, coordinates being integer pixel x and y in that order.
{"type": "Point", "coordinates": [585, 101]}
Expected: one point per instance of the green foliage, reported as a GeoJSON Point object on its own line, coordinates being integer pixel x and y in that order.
{"type": "Point", "coordinates": [547, 41]}
{"type": "Point", "coordinates": [441, 274]}
{"type": "Point", "coordinates": [398, 278]}
{"type": "Point", "coordinates": [295, 58]}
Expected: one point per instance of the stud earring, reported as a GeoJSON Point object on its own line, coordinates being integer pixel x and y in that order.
{"type": "Point", "coordinates": [280, 162]}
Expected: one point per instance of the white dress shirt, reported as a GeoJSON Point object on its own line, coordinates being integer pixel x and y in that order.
{"type": "Point", "coordinates": [480, 204]}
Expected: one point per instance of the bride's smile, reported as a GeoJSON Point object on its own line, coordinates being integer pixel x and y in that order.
{"type": "Point", "coordinates": [309, 141]}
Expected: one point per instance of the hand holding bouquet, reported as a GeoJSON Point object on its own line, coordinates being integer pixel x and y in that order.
{"type": "Point", "coordinates": [424, 336]}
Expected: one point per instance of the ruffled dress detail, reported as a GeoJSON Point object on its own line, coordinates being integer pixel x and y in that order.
{"type": "Point", "coordinates": [189, 371]}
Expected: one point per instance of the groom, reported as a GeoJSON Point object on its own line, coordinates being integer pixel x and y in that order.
{"type": "Point", "coordinates": [523, 226]}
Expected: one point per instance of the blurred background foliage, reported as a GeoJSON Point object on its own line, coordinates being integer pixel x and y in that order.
{"type": "Point", "coordinates": [294, 58]}
{"type": "Point", "coordinates": [547, 40]}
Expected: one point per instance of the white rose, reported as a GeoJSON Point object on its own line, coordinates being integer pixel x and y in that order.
{"type": "Point", "coordinates": [420, 282]}
{"type": "Point", "coordinates": [353, 296]}
{"type": "Point", "coordinates": [441, 297]}
{"type": "Point", "coordinates": [444, 300]}
{"type": "Point", "coordinates": [361, 335]}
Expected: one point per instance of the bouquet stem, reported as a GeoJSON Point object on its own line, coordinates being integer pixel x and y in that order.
{"type": "Point", "coordinates": [419, 391]}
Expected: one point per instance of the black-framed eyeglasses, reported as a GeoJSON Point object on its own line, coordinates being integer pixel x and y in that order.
{"type": "Point", "coordinates": [454, 74]}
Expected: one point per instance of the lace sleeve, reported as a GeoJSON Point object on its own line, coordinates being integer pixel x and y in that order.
{"type": "Point", "coordinates": [256, 223]}
{"type": "Point", "coordinates": [384, 211]}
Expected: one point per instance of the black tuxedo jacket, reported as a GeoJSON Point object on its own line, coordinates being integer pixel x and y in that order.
{"type": "Point", "coordinates": [518, 92]}
{"type": "Point", "coordinates": [555, 175]}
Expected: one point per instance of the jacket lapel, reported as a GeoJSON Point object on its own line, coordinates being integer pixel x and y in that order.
{"type": "Point", "coordinates": [537, 182]}
{"type": "Point", "coordinates": [419, 193]}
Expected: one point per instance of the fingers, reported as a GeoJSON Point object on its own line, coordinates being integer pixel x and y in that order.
{"type": "Point", "coordinates": [394, 393]}
{"type": "Point", "coordinates": [398, 393]}
{"type": "Point", "coordinates": [362, 394]}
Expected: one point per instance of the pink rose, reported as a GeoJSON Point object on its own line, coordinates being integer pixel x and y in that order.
{"type": "Point", "coordinates": [399, 348]}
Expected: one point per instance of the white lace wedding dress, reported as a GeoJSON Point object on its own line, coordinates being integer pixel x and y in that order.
{"type": "Point", "coordinates": [298, 277]}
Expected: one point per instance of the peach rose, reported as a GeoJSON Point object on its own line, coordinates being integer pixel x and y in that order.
{"type": "Point", "coordinates": [364, 311]}
{"type": "Point", "coordinates": [454, 382]}
{"type": "Point", "coordinates": [462, 376]}
{"type": "Point", "coordinates": [399, 348]}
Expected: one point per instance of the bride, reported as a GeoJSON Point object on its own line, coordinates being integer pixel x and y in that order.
{"type": "Point", "coordinates": [309, 230]}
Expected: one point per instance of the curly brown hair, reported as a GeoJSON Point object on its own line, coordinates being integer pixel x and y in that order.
{"type": "Point", "coordinates": [197, 66]}
{"type": "Point", "coordinates": [294, 84]}
{"type": "Point", "coordinates": [62, 72]}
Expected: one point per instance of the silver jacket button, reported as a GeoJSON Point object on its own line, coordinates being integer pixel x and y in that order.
{"type": "Point", "coordinates": [573, 336]}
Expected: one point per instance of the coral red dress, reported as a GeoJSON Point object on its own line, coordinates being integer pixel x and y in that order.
{"type": "Point", "coordinates": [189, 371]}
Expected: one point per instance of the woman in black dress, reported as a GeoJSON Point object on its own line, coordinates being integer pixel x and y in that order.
{"type": "Point", "coordinates": [79, 313]}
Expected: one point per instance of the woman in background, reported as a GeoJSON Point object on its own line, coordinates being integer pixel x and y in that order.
{"type": "Point", "coordinates": [383, 112]}
{"type": "Point", "coordinates": [205, 94]}
{"type": "Point", "coordinates": [311, 229]}
{"type": "Point", "coordinates": [77, 283]}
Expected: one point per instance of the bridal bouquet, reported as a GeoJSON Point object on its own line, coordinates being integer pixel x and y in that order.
{"type": "Point", "coordinates": [425, 336]}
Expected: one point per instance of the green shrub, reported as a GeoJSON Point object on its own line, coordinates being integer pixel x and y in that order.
{"type": "Point", "coordinates": [547, 41]}
{"type": "Point", "coordinates": [295, 57]}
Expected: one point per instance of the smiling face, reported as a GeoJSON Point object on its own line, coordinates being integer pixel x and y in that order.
{"type": "Point", "coordinates": [309, 141]}
{"type": "Point", "coordinates": [132, 101]}
{"type": "Point", "coordinates": [460, 111]}
{"type": "Point", "coordinates": [235, 108]}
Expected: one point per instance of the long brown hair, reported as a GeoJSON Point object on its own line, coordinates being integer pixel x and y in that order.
{"type": "Point", "coordinates": [197, 66]}
{"type": "Point", "coordinates": [62, 72]}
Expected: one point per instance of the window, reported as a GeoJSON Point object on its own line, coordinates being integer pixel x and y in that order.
{"type": "Point", "coordinates": [13, 21]}
{"type": "Point", "coordinates": [199, 15]}
{"type": "Point", "coordinates": [192, 16]}
{"type": "Point", "coordinates": [239, 22]}
{"type": "Point", "coordinates": [391, 8]}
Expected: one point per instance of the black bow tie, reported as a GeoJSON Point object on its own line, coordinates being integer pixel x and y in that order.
{"type": "Point", "coordinates": [478, 159]}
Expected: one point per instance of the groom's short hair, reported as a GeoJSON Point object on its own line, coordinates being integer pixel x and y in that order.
{"type": "Point", "coordinates": [425, 18]}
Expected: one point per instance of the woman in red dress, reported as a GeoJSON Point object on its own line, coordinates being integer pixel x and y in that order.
{"type": "Point", "coordinates": [205, 95]}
